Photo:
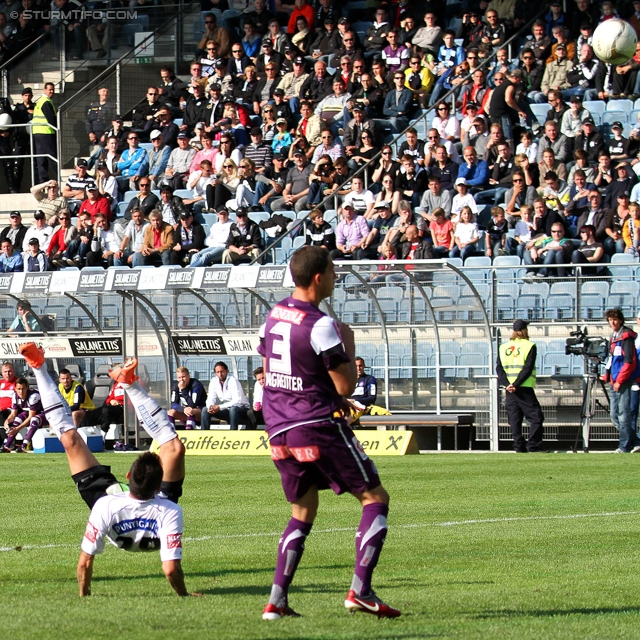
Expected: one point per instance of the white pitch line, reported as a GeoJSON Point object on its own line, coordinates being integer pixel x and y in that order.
{"type": "Point", "coordinates": [424, 525]}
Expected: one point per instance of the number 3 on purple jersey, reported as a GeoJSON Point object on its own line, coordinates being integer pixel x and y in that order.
{"type": "Point", "coordinates": [281, 347]}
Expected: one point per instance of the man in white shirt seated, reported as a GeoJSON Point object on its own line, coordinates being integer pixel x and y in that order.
{"type": "Point", "coordinates": [40, 230]}
{"type": "Point", "coordinates": [226, 400]}
{"type": "Point", "coordinates": [216, 242]}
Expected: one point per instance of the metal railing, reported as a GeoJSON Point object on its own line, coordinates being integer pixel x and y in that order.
{"type": "Point", "coordinates": [48, 52]}
{"type": "Point", "coordinates": [125, 80]}
{"type": "Point", "coordinates": [428, 331]}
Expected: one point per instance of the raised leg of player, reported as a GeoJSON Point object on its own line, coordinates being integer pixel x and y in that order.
{"type": "Point", "coordinates": [58, 413]}
{"type": "Point", "coordinates": [156, 423]}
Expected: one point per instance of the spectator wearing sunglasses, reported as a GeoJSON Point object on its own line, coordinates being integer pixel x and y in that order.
{"type": "Point", "coordinates": [213, 32]}
{"type": "Point", "coordinates": [146, 109]}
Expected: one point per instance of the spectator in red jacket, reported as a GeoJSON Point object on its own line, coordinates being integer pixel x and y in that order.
{"type": "Point", "coordinates": [95, 203]}
{"type": "Point", "coordinates": [301, 9]}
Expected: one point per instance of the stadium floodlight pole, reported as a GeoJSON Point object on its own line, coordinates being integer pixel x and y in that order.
{"type": "Point", "coordinates": [365, 167]}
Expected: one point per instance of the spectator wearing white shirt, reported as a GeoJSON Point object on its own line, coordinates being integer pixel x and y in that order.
{"type": "Point", "coordinates": [104, 244]}
{"type": "Point", "coordinates": [361, 199]}
{"type": "Point", "coordinates": [226, 400]}
{"type": "Point", "coordinates": [216, 242]}
{"type": "Point", "coordinates": [465, 236]}
{"type": "Point", "coordinates": [528, 146]}
{"type": "Point", "coordinates": [107, 185]}
{"type": "Point", "coordinates": [445, 124]}
{"type": "Point", "coordinates": [462, 199]}
{"type": "Point", "coordinates": [258, 389]}
{"type": "Point", "coordinates": [198, 182]}
{"type": "Point", "coordinates": [132, 240]}
{"type": "Point", "coordinates": [40, 230]}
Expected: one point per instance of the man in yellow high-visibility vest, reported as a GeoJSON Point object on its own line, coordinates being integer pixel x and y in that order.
{"type": "Point", "coordinates": [516, 369]}
{"type": "Point", "coordinates": [44, 133]}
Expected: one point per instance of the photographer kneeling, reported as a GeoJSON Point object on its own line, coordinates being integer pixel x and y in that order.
{"type": "Point", "coordinates": [621, 371]}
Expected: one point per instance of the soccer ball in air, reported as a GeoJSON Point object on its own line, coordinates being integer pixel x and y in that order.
{"type": "Point", "coordinates": [614, 41]}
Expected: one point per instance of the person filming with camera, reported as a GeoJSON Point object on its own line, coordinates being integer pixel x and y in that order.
{"type": "Point", "coordinates": [516, 369]}
{"type": "Point", "coordinates": [622, 369]}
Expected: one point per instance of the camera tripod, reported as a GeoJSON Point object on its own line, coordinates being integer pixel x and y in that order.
{"type": "Point", "coordinates": [589, 400]}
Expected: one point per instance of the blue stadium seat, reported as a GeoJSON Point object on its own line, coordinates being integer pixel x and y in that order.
{"type": "Point", "coordinates": [530, 307]}
{"type": "Point", "coordinates": [600, 287]}
{"type": "Point", "coordinates": [595, 106]}
{"type": "Point", "coordinates": [505, 307]}
{"type": "Point", "coordinates": [621, 271]}
{"type": "Point", "coordinates": [559, 307]}
{"type": "Point", "coordinates": [610, 117]}
{"type": "Point", "coordinates": [563, 287]}
{"type": "Point", "coordinates": [592, 306]}
{"type": "Point", "coordinates": [540, 112]}
{"type": "Point", "coordinates": [183, 193]}
{"type": "Point", "coordinates": [475, 364]}
{"type": "Point", "coordinates": [129, 30]}
{"type": "Point", "coordinates": [556, 364]}
{"type": "Point", "coordinates": [506, 261]}
{"type": "Point", "coordinates": [620, 105]}
{"type": "Point", "coordinates": [356, 311]}
{"type": "Point", "coordinates": [623, 258]}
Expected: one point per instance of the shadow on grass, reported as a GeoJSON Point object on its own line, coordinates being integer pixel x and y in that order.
{"type": "Point", "coordinates": [552, 613]}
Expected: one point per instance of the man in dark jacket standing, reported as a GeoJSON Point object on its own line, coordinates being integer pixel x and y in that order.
{"type": "Point", "coordinates": [621, 371]}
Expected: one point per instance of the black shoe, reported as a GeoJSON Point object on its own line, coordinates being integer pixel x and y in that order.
{"type": "Point", "coordinates": [539, 450]}
{"type": "Point", "coordinates": [521, 450]}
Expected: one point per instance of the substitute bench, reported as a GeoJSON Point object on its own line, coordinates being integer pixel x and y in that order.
{"type": "Point", "coordinates": [418, 422]}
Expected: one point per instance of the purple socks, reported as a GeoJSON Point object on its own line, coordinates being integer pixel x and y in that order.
{"type": "Point", "coordinates": [369, 540]}
{"type": "Point", "coordinates": [290, 551]}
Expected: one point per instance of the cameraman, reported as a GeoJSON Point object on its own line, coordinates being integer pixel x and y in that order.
{"type": "Point", "coordinates": [516, 369]}
{"type": "Point", "coordinates": [621, 371]}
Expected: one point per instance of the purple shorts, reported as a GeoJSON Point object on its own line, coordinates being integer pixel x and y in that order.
{"type": "Point", "coordinates": [327, 455]}
{"type": "Point", "coordinates": [39, 419]}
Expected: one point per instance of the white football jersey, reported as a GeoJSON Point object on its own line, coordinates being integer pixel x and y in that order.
{"type": "Point", "coordinates": [135, 525]}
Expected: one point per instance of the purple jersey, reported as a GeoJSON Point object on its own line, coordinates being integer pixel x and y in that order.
{"type": "Point", "coordinates": [301, 345]}
{"type": "Point", "coordinates": [31, 403]}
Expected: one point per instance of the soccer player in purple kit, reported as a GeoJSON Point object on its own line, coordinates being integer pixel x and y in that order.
{"type": "Point", "coordinates": [26, 411]}
{"type": "Point", "coordinates": [309, 363]}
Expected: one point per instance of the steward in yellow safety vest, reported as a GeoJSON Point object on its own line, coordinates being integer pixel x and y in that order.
{"type": "Point", "coordinates": [516, 369]}
{"type": "Point", "coordinates": [75, 396]}
{"type": "Point", "coordinates": [44, 133]}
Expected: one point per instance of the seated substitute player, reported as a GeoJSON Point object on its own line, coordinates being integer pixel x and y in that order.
{"type": "Point", "coordinates": [26, 411]}
{"type": "Point", "coordinates": [75, 395]}
{"type": "Point", "coordinates": [144, 518]}
{"type": "Point", "coordinates": [366, 386]}
{"type": "Point", "coordinates": [308, 373]}
{"type": "Point", "coordinates": [188, 399]}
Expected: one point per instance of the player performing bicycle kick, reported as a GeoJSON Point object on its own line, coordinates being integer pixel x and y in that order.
{"type": "Point", "coordinates": [145, 515]}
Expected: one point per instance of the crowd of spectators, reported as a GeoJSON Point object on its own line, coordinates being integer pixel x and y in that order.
{"type": "Point", "coordinates": [283, 105]}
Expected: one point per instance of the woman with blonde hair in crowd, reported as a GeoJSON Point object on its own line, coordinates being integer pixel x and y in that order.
{"type": "Point", "coordinates": [223, 188]}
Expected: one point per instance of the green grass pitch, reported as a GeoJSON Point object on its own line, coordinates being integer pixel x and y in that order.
{"type": "Point", "coordinates": [479, 546]}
